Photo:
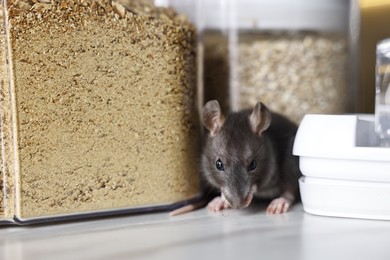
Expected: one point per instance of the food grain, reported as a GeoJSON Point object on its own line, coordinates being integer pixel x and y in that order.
{"type": "Point", "coordinates": [103, 102]}
{"type": "Point", "coordinates": [295, 73]}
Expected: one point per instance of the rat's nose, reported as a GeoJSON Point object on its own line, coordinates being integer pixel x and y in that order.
{"type": "Point", "coordinates": [238, 202]}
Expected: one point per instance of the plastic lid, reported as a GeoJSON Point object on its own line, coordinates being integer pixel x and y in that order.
{"type": "Point", "coordinates": [267, 14]}
{"type": "Point", "coordinates": [383, 47]}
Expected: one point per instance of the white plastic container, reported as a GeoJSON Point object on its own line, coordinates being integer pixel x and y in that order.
{"type": "Point", "coordinates": [345, 172]}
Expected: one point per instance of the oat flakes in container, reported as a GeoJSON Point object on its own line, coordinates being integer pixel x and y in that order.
{"type": "Point", "coordinates": [98, 109]}
{"type": "Point", "coordinates": [292, 55]}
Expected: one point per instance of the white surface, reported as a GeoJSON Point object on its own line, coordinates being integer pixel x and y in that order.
{"type": "Point", "coordinates": [234, 234]}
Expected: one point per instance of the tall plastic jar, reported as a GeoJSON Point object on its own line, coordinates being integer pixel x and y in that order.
{"type": "Point", "coordinates": [382, 89]}
{"type": "Point", "coordinates": [291, 55]}
{"type": "Point", "coordinates": [97, 109]}
{"type": "Point", "coordinates": [369, 25]}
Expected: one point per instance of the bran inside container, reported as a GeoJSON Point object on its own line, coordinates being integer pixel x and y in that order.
{"type": "Point", "coordinates": [105, 100]}
{"type": "Point", "coordinates": [2, 76]}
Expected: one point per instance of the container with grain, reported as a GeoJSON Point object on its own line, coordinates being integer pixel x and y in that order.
{"type": "Point", "coordinates": [98, 109]}
{"type": "Point", "coordinates": [291, 55]}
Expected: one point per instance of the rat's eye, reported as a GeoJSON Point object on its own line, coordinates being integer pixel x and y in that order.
{"type": "Point", "coordinates": [252, 166]}
{"type": "Point", "coordinates": [219, 165]}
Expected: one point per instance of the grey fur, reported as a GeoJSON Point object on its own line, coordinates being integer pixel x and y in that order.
{"type": "Point", "coordinates": [239, 139]}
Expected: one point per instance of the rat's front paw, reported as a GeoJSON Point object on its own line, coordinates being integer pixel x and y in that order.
{"type": "Point", "coordinates": [278, 206]}
{"type": "Point", "coordinates": [218, 204]}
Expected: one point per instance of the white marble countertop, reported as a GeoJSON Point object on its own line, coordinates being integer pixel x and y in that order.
{"type": "Point", "coordinates": [233, 234]}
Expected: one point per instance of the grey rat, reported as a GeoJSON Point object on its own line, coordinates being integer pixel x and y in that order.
{"type": "Point", "coordinates": [249, 153]}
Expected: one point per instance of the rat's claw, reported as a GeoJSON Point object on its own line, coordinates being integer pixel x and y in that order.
{"type": "Point", "coordinates": [278, 206]}
{"type": "Point", "coordinates": [218, 204]}
{"type": "Point", "coordinates": [248, 200]}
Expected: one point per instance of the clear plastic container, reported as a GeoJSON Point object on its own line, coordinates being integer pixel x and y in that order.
{"type": "Point", "coordinates": [369, 25]}
{"type": "Point", "coordinates": [98, 109]}
{"type": "Point", "coordinates": [382, 102]}
{"type": "Point", "coordinates": [292, 55]}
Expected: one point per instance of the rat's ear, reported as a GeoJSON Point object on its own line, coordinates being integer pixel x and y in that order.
{"type": "Point", "coordinates": [212, 117]}
{"type": "Point", "coordinates": [260, 119]}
